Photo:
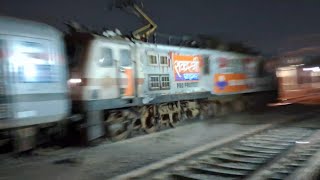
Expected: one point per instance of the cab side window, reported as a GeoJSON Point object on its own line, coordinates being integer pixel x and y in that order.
{"type": "Point", "coordinates": [125, 57]}
{"type": "Point", "coordinates": [106, 57]}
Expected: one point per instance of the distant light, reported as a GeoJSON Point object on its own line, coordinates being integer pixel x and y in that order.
{"type": "Point", "coordinates": [314, 69]}
{"type": "Point", "coordinates": [302, 142]}
{"type": "Point", "coordinates": [101, 60]}
{"type": "Point", "coordinates": [278, 104]}
{"type": "Point", "coordinates": [75, 81]}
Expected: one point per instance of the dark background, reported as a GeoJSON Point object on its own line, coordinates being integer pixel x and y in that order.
{"type": "Point", "coordinates": [271, 26]}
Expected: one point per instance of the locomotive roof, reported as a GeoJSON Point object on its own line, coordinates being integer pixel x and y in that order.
{"type": "Point", "coordinates": [169, 47]}
{"type": "Point", "coordinates": [27, 28]}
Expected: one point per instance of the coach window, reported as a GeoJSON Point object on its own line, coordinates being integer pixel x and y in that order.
{"type": "Point", "coordinates": [165, 83]}
{"type": "Point", "coordinates": [106, 57]}
{"type": "Point", "coordinates": [152, 59]}
{"type": "Point", "coordinates": [164, 60]}
{"type": "Point", "coordinates": [125, 59]}
{"type": "Point", "coordinates": [154, 82]}
{"type": "Point", "coordinates": [1, 48]}
{"type": "Point", "coordinates": [2, 55]}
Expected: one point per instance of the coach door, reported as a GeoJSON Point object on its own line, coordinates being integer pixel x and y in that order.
{"type": "Point", "coordinates": [126, 72]}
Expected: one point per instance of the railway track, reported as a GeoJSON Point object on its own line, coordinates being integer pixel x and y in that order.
{"type": "Point", "coordinates": [276, 153]}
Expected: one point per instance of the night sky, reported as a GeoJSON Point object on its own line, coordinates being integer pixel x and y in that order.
{"type": "Point", "coordinates": [271, 26]}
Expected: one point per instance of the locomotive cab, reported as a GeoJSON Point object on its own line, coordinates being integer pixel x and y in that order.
{"type": "Point", "coordinates": [102, 77]}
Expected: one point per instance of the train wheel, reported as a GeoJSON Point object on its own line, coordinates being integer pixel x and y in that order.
{"type": "Point", "coordinates": [177, 117]}
{"type": "Point", "coordinates": [174, 119]}
{"type": "Point", "coordinates": [119, 131]}
{"type": "Point", "coordinates": [189, 114]}
{"type": "Point", "coordinates": [211, 110]}
{"type": "Point", "coordinates": [151, 125]}
{"type": "Point", "coordinates": [238, 105]}
{"type": "Point", "coordinates": [226, 108]}
{"type": "Point", "coordinates": [118, 126]}
{"type": "Point", "coordinates": [136, 124]}
{"type": "Point", "coordinates": [204, 111]}
{"type": "Point", "coordinates": [216, 108]}
{"type": "Point", "coordinates": [247, 104]}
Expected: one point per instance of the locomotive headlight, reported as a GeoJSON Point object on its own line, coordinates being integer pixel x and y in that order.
{"type": "Point", "coordinates": [75, 81]}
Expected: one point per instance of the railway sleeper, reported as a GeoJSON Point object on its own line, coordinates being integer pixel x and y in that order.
{"type": "Point", "coordinates": [235, 166]}
{"type": "Point", "coordinates": [224, 158]}
{"type": "Point", "coordinates": [220, 171]}
{"type": "Point", "coordinates": [252, 155]}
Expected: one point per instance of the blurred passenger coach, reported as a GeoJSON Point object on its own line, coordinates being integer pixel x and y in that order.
{"type": "Point", "coordinates": [32, 76]}
{"type": "Point", "coordinates": [115, 85]}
